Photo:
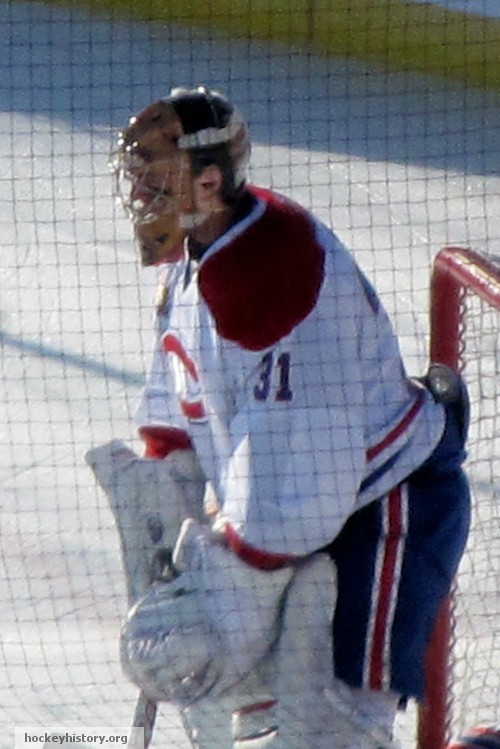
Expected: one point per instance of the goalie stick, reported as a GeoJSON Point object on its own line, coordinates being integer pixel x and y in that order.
{"type": "Point", "coordinates": [145, 718]}
{"type": "Point", "coordinates": [148, 499]}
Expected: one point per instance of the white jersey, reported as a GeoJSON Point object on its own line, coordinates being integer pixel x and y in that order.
{"type": "Point", "coordinates": [275, 356]}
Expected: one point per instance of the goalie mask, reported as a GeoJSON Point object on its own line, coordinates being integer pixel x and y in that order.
{"type": "Point", "coordinates": [159, 154]}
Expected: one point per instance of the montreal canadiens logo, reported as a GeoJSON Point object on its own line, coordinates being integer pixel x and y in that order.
{"type": "Point", "coordinates": [191, 402]}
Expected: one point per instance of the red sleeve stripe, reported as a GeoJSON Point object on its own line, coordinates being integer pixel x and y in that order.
{"type": "Point", "coordinates": [398, 430]}
{"type": "Point", "coordinates": [171, 344]}
{"type": "Point", "coordinates": [263, 560]}
{"type": "Point", "coordinates": [161, 441]}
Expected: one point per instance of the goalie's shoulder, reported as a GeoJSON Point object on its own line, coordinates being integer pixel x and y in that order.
{"type": "Point", "coordinates": [263, 277]}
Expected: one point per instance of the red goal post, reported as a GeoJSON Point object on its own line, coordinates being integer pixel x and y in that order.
{"type": "Point", "coordinates": [462, 683]}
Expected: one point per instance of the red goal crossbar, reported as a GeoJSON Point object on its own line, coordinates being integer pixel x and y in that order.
{"type": "Point", "coordinates": [456, 270]}
{"type": "Point", "coordinates": [456, 273]}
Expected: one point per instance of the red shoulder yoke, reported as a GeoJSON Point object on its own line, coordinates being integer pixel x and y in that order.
{"type": "Point", "coordinates": [266, 280]}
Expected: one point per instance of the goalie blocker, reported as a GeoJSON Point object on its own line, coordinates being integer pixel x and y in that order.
{"type": "Point", "coordinates": [150, 499]}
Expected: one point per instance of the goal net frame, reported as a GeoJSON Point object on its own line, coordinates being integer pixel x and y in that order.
{"type": "Point", "coordinates": [457, 272]}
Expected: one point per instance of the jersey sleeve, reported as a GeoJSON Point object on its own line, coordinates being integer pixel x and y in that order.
{"type": "Point", "coordinates": [403, 423]}
{"type": "Point", "coordinates": [161, 424]}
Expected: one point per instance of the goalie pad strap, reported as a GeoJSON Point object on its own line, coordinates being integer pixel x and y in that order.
{"type": "Point", "coordinates": [255, 707]}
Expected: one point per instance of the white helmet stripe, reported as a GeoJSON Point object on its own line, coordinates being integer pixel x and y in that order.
{"type": "Point", "coordinates": [213, 136]}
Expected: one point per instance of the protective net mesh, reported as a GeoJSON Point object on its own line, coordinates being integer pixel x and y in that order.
{"type": "Point", "coordinates": [382, 118]}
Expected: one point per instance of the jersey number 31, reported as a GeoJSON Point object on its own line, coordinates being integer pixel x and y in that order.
{"type": "Point", "coordinates": [268, 366]}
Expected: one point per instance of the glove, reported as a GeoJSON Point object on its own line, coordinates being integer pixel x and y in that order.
{"type": "Point", "coordinates": [219, 618]}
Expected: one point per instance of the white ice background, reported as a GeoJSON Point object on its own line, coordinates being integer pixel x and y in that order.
{"type": "Point", "coordinates": [399, 165]}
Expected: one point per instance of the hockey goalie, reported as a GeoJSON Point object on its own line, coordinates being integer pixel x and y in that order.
{"type": "Point", "coordinates": [300, 508]}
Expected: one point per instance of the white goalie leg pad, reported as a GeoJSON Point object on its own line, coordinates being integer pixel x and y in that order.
{"type": "Point", "coordinates": [304, 659]}
{"type": "Point", "coordinates": [149, 498]}
{"type": "Point", "coordinates": [242, 603]}
{"type": "Point", "coordinates": [210, 725]}
{"type": "Point", "coordinates": [255, 721]}
{"type": "Point", "coordinates": [314, 708]}
{"type": "Point", "coordinates": [375, 712]}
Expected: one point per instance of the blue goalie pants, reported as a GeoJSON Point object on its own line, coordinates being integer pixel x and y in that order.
{"type": "Point", "coordinates": [396, 559]}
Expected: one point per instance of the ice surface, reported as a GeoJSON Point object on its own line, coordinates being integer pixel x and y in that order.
{"type": "Point", "coordinates": [399, 165]}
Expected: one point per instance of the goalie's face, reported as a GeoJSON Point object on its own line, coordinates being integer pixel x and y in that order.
{"type": "Point", "coordinates": [155, 182]}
